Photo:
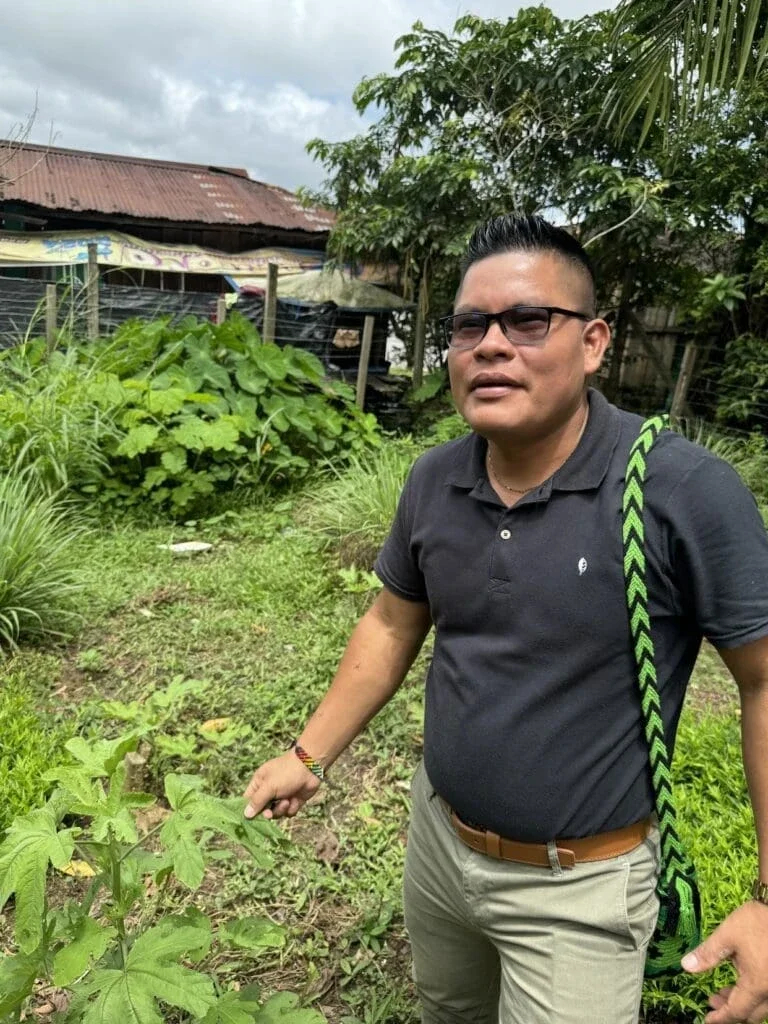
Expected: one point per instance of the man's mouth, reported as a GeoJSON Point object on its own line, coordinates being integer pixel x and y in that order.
{"type": "Point", "coordinates": [493, 385]}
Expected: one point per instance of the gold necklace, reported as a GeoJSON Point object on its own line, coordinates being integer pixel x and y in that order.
{"type": "Point", "coordinates": [527, 490]}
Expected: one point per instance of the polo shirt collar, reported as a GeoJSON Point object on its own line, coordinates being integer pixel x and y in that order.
{"type": "Point", "coordinates": [584, 470]}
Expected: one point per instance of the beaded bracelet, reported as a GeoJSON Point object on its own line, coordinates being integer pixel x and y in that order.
{"type": "Point", "coordinates": [309, 762]}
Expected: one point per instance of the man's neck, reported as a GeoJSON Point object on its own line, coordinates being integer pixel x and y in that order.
{"type": "Point", "coordinates": [516, 466]}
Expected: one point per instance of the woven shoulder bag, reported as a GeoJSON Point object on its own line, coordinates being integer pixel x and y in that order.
{"type": "Point", "coordinates": [678, 928]}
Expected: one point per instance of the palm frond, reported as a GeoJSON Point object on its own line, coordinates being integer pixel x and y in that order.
{"type": "Point", "coordinates": [682, 54]}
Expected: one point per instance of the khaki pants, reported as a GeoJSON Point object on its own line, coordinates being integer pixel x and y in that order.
{"type": "Point", "coordinates": [501, 943]}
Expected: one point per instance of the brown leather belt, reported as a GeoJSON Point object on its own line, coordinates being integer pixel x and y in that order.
{"type": "Point", "coordinates": [569, 851]}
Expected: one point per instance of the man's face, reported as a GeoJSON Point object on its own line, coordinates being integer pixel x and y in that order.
{"type": "Point", "coordinates": [526, 390]}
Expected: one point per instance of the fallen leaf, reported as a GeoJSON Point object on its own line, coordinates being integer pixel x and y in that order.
{"type": "Point", "coordinates": [78, 869]}
{"type": "Point", "coordinates": [215, 725]}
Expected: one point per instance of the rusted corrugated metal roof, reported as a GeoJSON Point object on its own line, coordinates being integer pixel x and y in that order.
{"type": "Point", "coordinates": [81, 182]}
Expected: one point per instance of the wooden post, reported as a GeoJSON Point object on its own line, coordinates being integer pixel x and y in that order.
{"type": "Point", "coordinates": [50, 317]}
{"type": "Point", "coordinates": [135, 772]}
{"type": "Point", "coordinates": [683, 380]}
{"type": "Point", "coordinates": [270, 303]}
{"type": "Point", "coordinates": [420, 333]}
{"type": "Point", "coordinates": [365, 356]}
{"type": "Point", "coordinates": [221, 309]}
{"type": "Point", "coordinates": [92, 293]}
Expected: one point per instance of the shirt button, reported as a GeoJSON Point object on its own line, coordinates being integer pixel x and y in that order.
{"type": "Point", "coordinates": [505, 534]}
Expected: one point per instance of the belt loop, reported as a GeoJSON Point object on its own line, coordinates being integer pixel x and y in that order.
{"type": "Point", "coordinates": [554, 859]}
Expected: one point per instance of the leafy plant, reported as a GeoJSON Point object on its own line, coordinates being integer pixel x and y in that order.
{"type": "Point", "coordinates": [40, 578]}
{"type": "Point", "coordinates": [219, 408]}
{"type": "Point", "coordinates": [117, 961]}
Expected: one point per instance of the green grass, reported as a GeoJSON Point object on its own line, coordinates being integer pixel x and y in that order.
{"type": "Point", "coordinates": [252, 632]}
{"type": "Point", "coordinates": [40, 580]}
{"type": "Point", "coordinates": [30, 742]}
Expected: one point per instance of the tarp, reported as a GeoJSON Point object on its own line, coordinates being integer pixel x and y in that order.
{"type": "Point", "coordinates": [115, 249]}
{"type": "Point", "coordinates": [331, 286]}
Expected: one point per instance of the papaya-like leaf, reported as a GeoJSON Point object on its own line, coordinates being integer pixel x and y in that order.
{"type": "Point", "coordinates": [88, 945]}
{"type": "Point", "coordinates": [32, 843]}
{"type": "Point", "coordinates": [101, 757]}
{"type": "Point", "coordinates": [282, 1009]}
{"type": "Point", "coordinates": [17, 978]}
{"type": "Point", "coordinates": [138, 440]}
{"type": "Point", "coordinates": [234, 1008]}
{"type": "Point", "coordinates": [153, 974]}
{"type": "Point", "coordinates": [255, 933]}
{"type": "Point", "coordinates": [199, 434]}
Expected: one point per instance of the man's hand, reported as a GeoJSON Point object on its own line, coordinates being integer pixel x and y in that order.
{"type": "Point", "coordinates": [280, 787]}
{"type": "Point", "coordinates": [743, 939]}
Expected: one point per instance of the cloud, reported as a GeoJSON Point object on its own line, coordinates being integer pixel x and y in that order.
{"type": "Point", "coordinates": [246, 84]}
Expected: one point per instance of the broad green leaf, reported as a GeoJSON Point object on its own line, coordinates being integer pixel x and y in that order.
{"type": "Point", "coordinates": [199, 434]}
{"type": "Point", "coordinates": [271, 359]}
{"type": "Point", "coordinates": [185, 851]}
{"type": "Point", "coordinates": [282, 1009]}
{"type": "Point", "coordinates": [251, 379]}
{"type": "Point", "coordinates": [233, 1008]}
{"type": "Point", "coordinates": [166, 402]}
{"type": "Point", "coordinates": [201, 365]}
{"type": "Point", "coordinates": [179, 787]}
{"type": "Point", "coordinates": [17, 979]}
{"type": "Point", "coordinates": [253, 933]}
{"type": "Point", "coordinates": [88, 794]}
{"type": "Point", "coordinates": [121, 825]}
{"type": "Point", "coordinates": [175, 460]}
{"type": "Point", "coordinates": [32, 842]}
{"type": "Point", "coordinates": [154, 476]}
{"type": "Point", "coordinates": [138, 440]}
{"type": "Point", "coordinates": [172, 938]}
{"type": "Point", "coordinates": [151, 974]}
{"type": "Point", "coordinates": [88, 945]}
{"type": "Point", "coordinates": [101, 756]}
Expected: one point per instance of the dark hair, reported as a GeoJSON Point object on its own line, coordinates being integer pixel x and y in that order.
{"type": "Point", "coordinates": [513, 233]}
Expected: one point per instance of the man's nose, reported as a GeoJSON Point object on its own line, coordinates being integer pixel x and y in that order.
{"type": "Point", "coordinates": [494, 344]}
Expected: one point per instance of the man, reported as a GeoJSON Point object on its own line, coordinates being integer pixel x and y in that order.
{"type": "Point", "coordinates": [532, 853]}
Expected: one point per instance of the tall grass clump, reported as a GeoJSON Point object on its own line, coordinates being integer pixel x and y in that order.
{"type": "Point", "coordinates": [40, 579]}
{"type": "Point", "coordinates": [748, 454]}
{"type": "Point", "coordinates": [49, 422]}
{"type": "Point", "coordinates": [354, 509]}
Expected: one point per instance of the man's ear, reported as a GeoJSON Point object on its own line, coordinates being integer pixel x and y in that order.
{"type": "Point", "coordinates": [596, 337]}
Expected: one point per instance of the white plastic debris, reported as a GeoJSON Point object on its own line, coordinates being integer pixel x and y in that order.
{"type": "Point", "coordinates": [187, 547]}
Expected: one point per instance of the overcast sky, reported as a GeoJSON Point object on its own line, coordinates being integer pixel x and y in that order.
{"type": "Point", "coordinates": [244, 83]}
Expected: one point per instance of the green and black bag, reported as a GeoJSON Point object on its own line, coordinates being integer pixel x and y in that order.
{"type": "Point", "coordinates": [678, 928]}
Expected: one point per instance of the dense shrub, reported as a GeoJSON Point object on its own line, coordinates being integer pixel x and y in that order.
{"type": "Point", "coordinates": [170, 415]}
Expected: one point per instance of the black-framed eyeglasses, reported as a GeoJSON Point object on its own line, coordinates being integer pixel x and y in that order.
{"type": "Point", "coordinates": [521, 325]}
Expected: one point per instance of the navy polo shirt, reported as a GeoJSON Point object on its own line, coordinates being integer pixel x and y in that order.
{"type": "Point", "coordinates": [532, 723]}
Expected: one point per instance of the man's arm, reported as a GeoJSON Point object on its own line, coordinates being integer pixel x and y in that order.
{"type": "Point", "coordinates": [380, 651]}
{"type": "Point", "coordinates": [743, 936]}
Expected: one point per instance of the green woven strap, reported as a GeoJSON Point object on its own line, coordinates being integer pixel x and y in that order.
{"type": "Point", "coordinates": [678, 925]}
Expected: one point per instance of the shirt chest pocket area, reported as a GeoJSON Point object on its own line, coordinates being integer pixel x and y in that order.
{"type": "Point", "coordinates": [568, 576]}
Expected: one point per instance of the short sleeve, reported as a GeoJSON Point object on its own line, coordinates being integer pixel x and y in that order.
{"type": "Point", "coordinates": [397, 565]}
{"type": "Point", "coordinates": [718, 551]}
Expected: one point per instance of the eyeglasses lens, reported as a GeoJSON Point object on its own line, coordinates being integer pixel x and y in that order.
{"type": "Point", "coordinates": [524, 325]}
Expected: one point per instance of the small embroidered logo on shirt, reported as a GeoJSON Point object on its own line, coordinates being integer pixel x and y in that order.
{"type": "Point", "coordinates": [582, 566]}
